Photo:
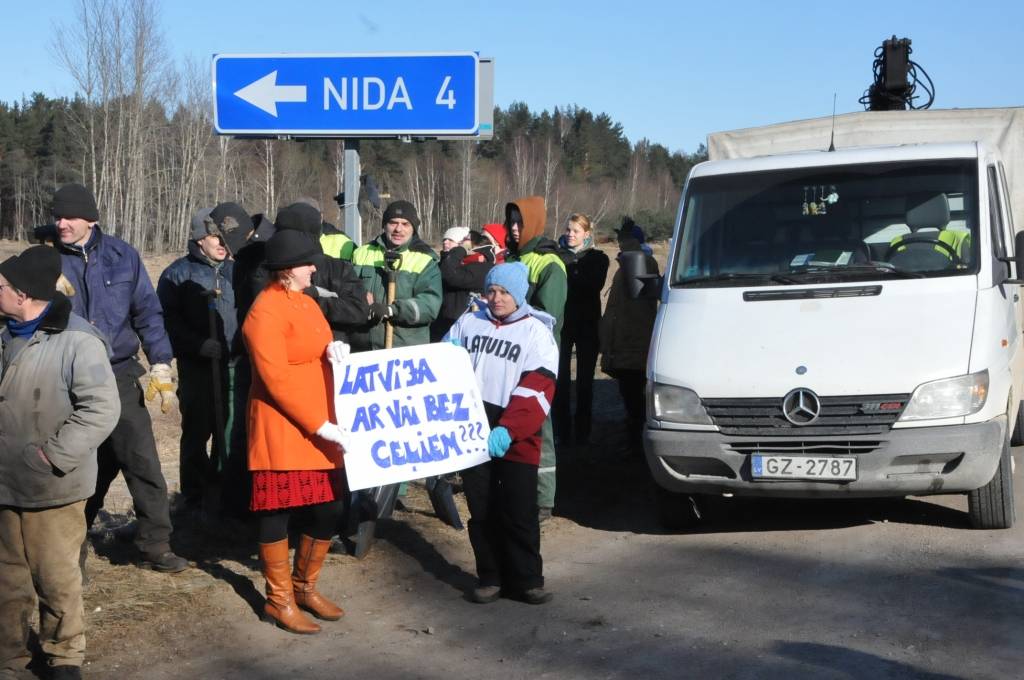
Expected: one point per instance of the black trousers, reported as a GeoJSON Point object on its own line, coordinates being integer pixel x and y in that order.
{"type": "Point", "coordinates": [131, 450]}
{"type": "Point", "coordinates": [198, 468]}
{"type": "Point", "coordinates": [503, 526]}
{"type": "Point", "coordinates": [236, 480]}
{"type": "Point", "coordinates": [584, 337]}
{"type": "Point", "coordinates": [632, 387]}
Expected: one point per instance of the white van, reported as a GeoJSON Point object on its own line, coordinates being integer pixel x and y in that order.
{"type": "Point", "coordinates": [844, 323]}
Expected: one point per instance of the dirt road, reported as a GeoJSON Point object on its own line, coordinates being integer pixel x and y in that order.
{"type": "Point", "coordinates": [891, 589]}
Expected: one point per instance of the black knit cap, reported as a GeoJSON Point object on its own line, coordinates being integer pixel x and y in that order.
{"type": "Point", "coordinates": [74, 200]}
{"type": "Point", "coordinates": [290, 248]}
{"type": "Point", "coordinates": [230, 215]}
{"type": "Point", "coordinates": [300, 217]}
{"type": "Point", "coordinates": [403, 209]}
{"type": "Point", "coordinates": [34, 272]}
{"type": "Point", "coordinates": [233, 225]}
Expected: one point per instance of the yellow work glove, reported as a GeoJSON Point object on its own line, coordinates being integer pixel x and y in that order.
{"type": "Point", "coordinates": [161, 383]}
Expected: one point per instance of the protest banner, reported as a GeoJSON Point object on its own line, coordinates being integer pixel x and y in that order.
{"type": "Point", "coordinates": [412, 412]}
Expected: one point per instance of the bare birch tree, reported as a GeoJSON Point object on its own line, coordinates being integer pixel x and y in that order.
{"type": "Point", "coordinates": [422, 179]}
{"type": "Point", "coordinates": [524, 175]}
{"type": "Point", "coordinates": [637, 163]}
{"type": "Point", "coordinates": [192, 137]}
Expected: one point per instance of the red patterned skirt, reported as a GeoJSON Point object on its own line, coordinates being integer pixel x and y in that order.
{"type": "Point", "coordinates": [279, 489]}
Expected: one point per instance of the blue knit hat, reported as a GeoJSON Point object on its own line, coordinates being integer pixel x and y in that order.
{"type": "Point", "coordinates": [513, 277]}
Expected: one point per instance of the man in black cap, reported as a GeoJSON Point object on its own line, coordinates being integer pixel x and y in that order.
{"type": "Point", "coordinates": [55, 410]}
{"type": "Point", "coordinates": [114, 294]}
{"type": "Point", "coordinates": [395, 253]}
{"type": "Point", "coordinates": [198, 300]}
{"type": "Point", "coordinates": [399, 256]}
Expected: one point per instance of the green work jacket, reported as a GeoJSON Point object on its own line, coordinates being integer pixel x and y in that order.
{"type": "Point", "coordinates": [549, 283]}
{"type": "Point", "coordinates": [417, 294]}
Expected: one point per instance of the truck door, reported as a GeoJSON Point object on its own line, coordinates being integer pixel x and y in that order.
{"type": "Point", "coordinates": [1001, 221]}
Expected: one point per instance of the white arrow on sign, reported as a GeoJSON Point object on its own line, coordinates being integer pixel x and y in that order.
{"type": "Point", "coordinates": [266, 94]}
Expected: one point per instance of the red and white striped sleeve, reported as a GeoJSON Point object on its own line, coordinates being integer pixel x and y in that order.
{"type": "Point", "coordinates": [530, 400]}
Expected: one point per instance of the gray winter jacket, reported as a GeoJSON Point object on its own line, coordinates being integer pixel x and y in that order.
{"type": "Point", "coordinates": [58, 394]}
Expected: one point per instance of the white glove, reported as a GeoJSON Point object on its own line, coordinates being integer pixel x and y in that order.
{"type": "Point", "coordinates": [324, 293]}
{"type": "Point", "coordinates": [338, 351]}
{"type": "Point", "coordinates": [161, 383]}
{"type": "Point", "coordinates": [333, 433]}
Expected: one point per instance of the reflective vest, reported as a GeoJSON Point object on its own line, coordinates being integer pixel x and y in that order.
{"type": "Point", "coordinates": [337, 245]}
{"type": "Point", "coordinates": [417, 295]}
{"type": "Point", "coordinates": [548, 295]}
{"type": "Point", "coordinates": [958, 240]}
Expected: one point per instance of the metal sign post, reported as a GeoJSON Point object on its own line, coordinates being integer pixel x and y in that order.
{"type": "Point", "coordinates": [353, 222]}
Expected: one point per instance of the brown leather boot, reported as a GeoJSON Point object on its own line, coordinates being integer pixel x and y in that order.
{"type": "Point", "coordinates": [309, 558]}
{"type": "Point", "coordinates": [280, 607]}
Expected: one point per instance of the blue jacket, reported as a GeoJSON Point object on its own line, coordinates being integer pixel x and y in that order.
{"type": "Point", "coordinates": [186, 309]}
{"type": "Point", "coordinates": [113, 293]}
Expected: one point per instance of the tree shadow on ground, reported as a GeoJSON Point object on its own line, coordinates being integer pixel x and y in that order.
{"type": "Point", "coordinates": [832, 658]}
{"type": "Point", "coordinates": [407, 539]}
{"type": "Point", "coordinates": [1000, 580]}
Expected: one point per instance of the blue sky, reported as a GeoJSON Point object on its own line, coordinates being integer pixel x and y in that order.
{"type": "Point", "coordinates": [670, 71]}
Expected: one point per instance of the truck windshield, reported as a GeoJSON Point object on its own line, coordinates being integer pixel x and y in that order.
{"type": "Point", "coordinates": [854, 222]}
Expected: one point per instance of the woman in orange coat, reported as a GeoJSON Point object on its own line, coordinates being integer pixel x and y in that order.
{"type": "Point", "coordinates": [295, 450]}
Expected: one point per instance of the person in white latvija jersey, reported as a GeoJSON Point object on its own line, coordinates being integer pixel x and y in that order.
{"type": "Point", "coordinates": [515, 359]}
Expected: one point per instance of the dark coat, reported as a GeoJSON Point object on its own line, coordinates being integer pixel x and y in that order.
{"type": "Point", "coordinates": [250, 277]}
{"type": "Point", "coordinates": [462, 274]}
{"type": "Point", "coordinates": [183, 291]}
{"type": "Point", "coordinates": [341, 295]}
{"type": "Point", "coordinates": [627, 326]}
{"type": "Point", "coordinates": [586, 273]}
{"type": "Point", "coordinates": [113, 292]}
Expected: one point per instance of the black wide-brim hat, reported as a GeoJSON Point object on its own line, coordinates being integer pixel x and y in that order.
{"type": "Point", "coordinates": [290, 248]}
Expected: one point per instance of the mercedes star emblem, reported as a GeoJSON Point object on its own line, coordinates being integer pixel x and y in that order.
{"type": "Point", "coordinates": [801, 407]}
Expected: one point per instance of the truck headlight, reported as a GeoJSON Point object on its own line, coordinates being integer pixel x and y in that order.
{"type": "Point", "coordinates": [676, 405]}
{"type": "Point", "coordinates": [948, 398]}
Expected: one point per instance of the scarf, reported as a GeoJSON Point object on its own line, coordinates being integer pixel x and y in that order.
{"type": "Point", "coordinates": [24, 329]}
{"type": "Point", "coordinates": [588, 243]}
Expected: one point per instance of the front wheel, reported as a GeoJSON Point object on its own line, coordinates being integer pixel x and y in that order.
{"type": "Point", "coordinates": [1017, 438]}
{"type": "Point", "coordinates": [991, 506]}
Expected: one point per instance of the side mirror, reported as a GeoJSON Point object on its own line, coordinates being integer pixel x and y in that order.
{"type": "Point", "coordinates": [1018, 254]}
{"type": "Point", "coordinates": [1017, 260]}
{"type": "Point", "coordinates": [640, 283]}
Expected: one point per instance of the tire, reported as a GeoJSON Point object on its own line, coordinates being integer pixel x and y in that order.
{"type": "Point", "coordinates": [991, 506]}
{"type": "Point", "coordinates": [1017, 439]}
{"type": "Point", "coordinates": [676, 511]}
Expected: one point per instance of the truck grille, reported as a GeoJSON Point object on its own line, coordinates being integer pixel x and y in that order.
{"type": "Point", "coordinates": [772, 446]}
{"type": "Point", "coordinates": [852, 415]}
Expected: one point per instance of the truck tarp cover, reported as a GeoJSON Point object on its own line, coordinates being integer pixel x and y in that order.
{"type": "Point", "coordinates": [1001, 128]}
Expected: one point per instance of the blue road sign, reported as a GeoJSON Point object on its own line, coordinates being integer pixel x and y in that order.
{"type": "Point", "coordinates": [346, 95]}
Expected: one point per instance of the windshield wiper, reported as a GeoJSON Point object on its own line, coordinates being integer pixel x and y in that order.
{"type": "Point", "coordinates": [737, 277]}
{"type": "Point", "coordinates": [879, 269]}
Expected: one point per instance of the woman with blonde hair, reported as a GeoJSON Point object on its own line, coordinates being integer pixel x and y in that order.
{"type": "Point", "coordinates": [586, 269]}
